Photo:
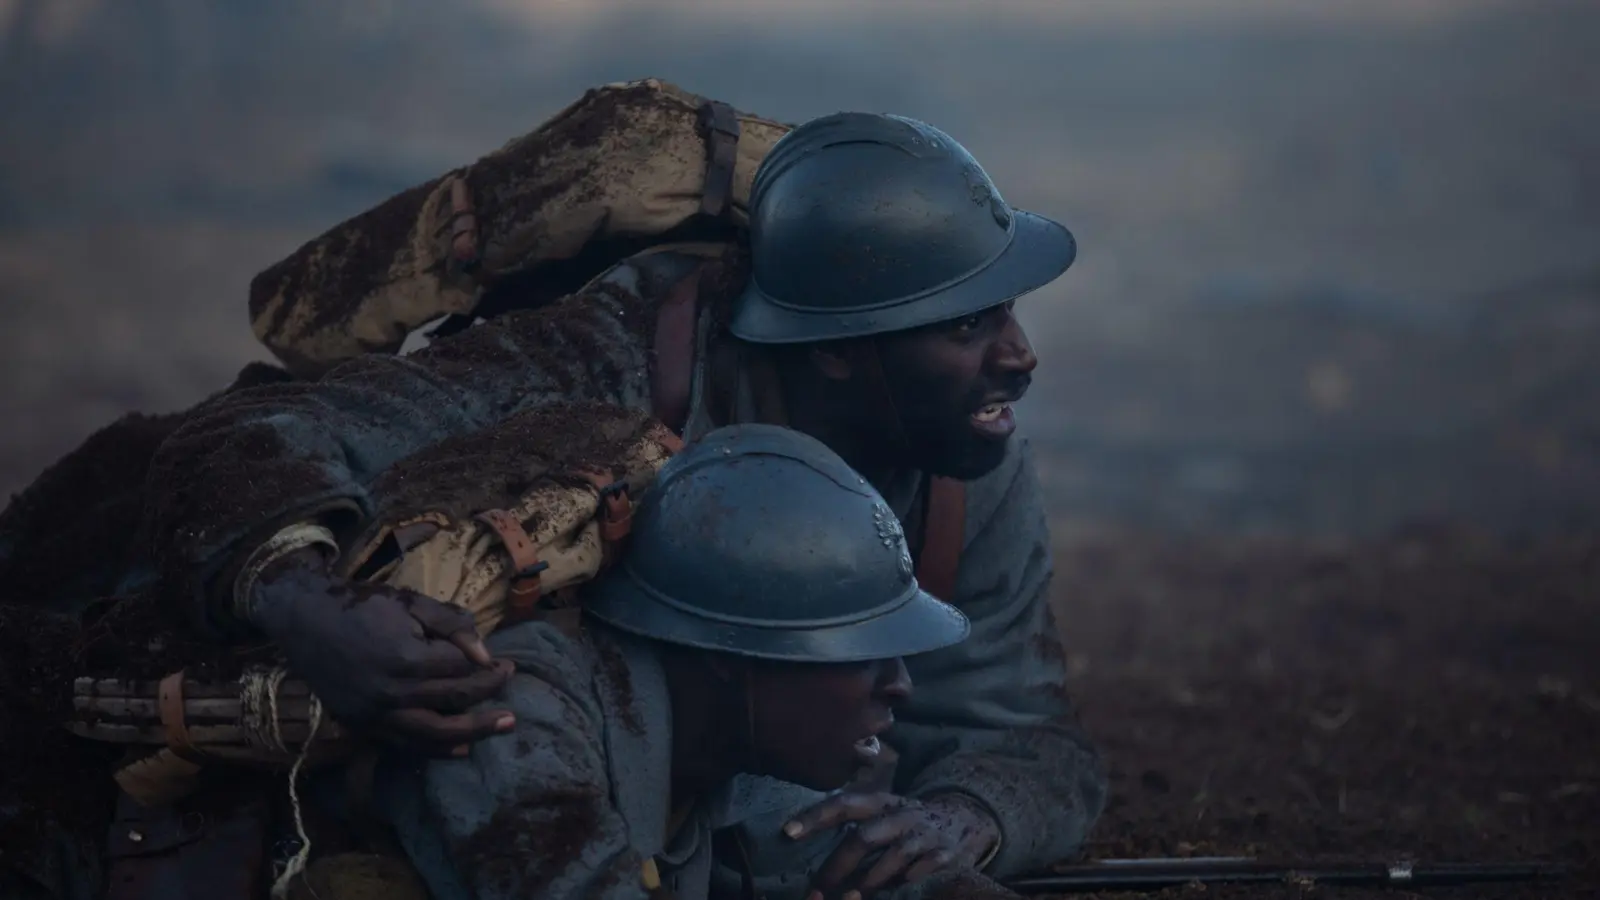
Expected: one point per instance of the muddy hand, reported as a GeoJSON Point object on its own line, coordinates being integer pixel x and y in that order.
{"type": "Point", "coordinates": [389, 662]}
{"type": "Point", "coordinates": [895, 840]}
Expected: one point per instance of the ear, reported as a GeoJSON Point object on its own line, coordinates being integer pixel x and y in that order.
{"type": "Point", "coordinates": [832, 363]}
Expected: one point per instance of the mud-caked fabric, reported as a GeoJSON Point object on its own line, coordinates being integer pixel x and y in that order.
{"type": "Point", "coordinates": [244, 465]}
{"type": "Point", "coordinates": [989, 717]}
{"type": "Point", "coordinates": [71, 536]}
{"type": "Point", "coordinates": [539, 812]}
{"type": "Point", "coordinates": [574, 800]}
{"type": "Point", "coordinates": [69, 548]}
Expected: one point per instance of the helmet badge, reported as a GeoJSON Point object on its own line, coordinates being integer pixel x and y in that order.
{"type": "Point", "coordinates": [890, 532]}
{"type": "Point", "coordinates": [979, 189]}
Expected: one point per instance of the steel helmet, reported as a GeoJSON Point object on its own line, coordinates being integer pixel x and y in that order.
{"type": "Point", "coordinates": [863, 223]}
{"type": "Point", "coordinates": [758, 540]}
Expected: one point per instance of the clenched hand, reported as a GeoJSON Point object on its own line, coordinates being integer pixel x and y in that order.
{"type": "Point", "coordinates": [911, 840]}
{"type": "Point", "coordinates": [389, 662]}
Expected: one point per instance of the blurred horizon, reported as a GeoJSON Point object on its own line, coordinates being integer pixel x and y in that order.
{"type": "Point", "coordinates": [1339, 268]}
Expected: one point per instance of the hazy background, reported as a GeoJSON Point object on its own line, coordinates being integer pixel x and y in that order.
{"type": "Point", "coordinates": [1339, 269]}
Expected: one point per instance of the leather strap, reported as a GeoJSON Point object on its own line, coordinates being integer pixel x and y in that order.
{"type": "Point", "coordinates": [766, 391]}
{"type": "Point", "coordinates": [943, 531]}
{"type": "Point", "coordinates": [720, 126]}
{"type": "Point", "coordinates": [169, 705]}
{"type": "Point", "coordinates": [463, 226]}
{"type": "Point", "coordinates": [616, 512]}
{"type": "Point", "coordinates": [944, 509]}
{"type": "Point", "coordinates": [525, 589]}
{"type": "Point", "coordinates": [673, 375]}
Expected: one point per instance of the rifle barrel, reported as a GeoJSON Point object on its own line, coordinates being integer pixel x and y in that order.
{"type": "Point", "coordinates": [1155, 874]}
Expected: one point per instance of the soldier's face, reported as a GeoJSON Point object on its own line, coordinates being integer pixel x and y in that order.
{"type": "Point", "coordinates": [953, 384]}
{"type": "Point", "coordinates": [817, 725]}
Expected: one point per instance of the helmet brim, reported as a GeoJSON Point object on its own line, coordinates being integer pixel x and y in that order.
{"type": "Point", "coordinates": [1041, 250]}
{"type": "Point", "coordinates": [920, 625]}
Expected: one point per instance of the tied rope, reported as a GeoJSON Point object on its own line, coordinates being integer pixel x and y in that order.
{"type": "Point", "coordinates": [258, 697]}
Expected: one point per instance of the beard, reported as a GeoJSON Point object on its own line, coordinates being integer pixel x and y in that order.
{"type": "Point", "coordinates": [939, 433]}
{"type": "Point", "coordinates": [951, 448]}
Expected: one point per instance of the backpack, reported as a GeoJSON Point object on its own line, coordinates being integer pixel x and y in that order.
{"type": "Point", "coordinates": [626, 167]}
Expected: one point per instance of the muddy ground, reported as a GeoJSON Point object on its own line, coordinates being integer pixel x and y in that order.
{"type": "Point", "coordinates": [1433, 696]}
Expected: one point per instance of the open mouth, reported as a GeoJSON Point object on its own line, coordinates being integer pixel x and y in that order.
{"type": "Point", "coordinates": [870, 747]}
{"type": "Point", "coordinates": [995, 419]}
{"type": "Point", "coordinates": [992, 412]}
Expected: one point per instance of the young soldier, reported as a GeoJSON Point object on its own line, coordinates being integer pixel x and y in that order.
{"type": "Point", "coordinates": [756, 626]}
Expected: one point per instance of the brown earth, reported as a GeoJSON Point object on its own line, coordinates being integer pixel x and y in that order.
{"type": "Point", "coordinates": [1435, 696]}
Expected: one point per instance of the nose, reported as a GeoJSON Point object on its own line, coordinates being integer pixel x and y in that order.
{"type": "Point", "coordinates": [894, 686]}
{"type": "Point", "coordinates": [1013, 354]}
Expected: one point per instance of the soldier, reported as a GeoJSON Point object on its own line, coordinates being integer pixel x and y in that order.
{"type": "Point", "coordinates": [718, 646]}
{"type": "Point", "coordinates": [877, 318]}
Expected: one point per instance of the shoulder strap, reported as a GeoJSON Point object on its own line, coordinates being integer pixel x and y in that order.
{"type": "Point", "coordinates": [944, 522]}
{"type": "Point", "coordinates": [719, 125]}
{"type": "Point", "coordinates": [672, 376]}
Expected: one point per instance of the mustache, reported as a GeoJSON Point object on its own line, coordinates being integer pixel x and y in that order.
{"type": "Point", "coordinates": [1012, 387]}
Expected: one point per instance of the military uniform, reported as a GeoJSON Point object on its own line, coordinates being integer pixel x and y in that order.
{"type": "Point", "coordinates": [990, 718]}
{"type": "Point", "coordinates": [575, 801]}
{"type": "Point", "coordinates": [589, 762]}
